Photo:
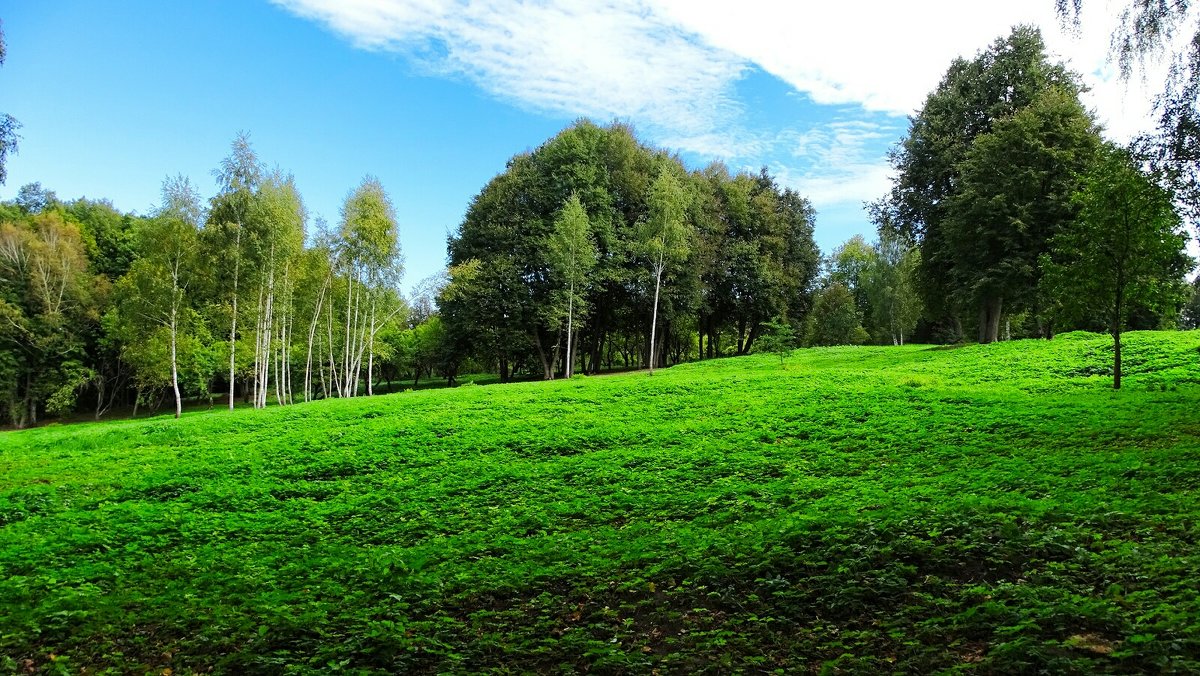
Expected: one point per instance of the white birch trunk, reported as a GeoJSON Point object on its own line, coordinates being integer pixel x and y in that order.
{"type": "Point", "coordinates": [654, 317]}
{"type": "Point", "coordinates": [237, 264]}
{"type": "Point", "coordinates": [175, 359]}
{"type": "Point", "coordinates": [570, 316]}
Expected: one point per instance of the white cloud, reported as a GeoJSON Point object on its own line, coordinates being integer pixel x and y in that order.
{"type": "Point", "coordinates": [616, 58]}
{"type": "Point", "coordinates": [672, 66]}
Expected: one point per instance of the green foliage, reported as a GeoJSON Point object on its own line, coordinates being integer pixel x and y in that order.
{"type": "Point", "coordinates": [369, 229]}
{"type": "Point", "coordinates": [725, 254]}
{"type": "Point", "coordinates": [891, 282]}
{"type": "Point", "coordinates": [663, 239]}
{"type": "Point", "coordinates": [1124, 251]}
{"type": "Point", "coordinates": [1015, 193]}
{"type": "Point", "coordinates": [778, 338]}
{"type": "Point", "coordinates": [50, 306]}
{"type": "Point", "coordinates": [972, 97]}
{"type": "Point", "coordinates": [850, 265]}
{"type": "Point", "coordinates": [834, 319]}
{"type": "Point", "coordinates": [1147, 32]}
{"type": "Point", "coordinates": [984, 509]}
{"type": "Point", "coordinates": [1190, 316]}
{"type": "Point", "coordinates": [572, 253]}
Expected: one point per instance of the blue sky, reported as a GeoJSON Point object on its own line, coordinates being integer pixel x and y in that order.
{"type": "Point", "coordinates": [433, 97]}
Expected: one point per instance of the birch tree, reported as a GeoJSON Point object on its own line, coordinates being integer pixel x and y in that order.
{"type": "Point", "coordinates": [572, 255]}
{"type": "Point", "coordinates": [279, 218]}
{"type": "Point", "coordinates": [153, 295]}
{"type": "Point", "coordinates": [663, 238]}
{"type": "Point", "coordinates": [225, 233]}
{"type": "Point", "coordinates": [370, 258]}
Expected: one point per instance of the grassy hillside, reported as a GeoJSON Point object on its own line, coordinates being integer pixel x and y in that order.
{"type": "Point", "coordinates": [980, 509]}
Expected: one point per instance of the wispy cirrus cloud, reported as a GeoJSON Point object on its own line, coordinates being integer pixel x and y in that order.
{"type": "Point", "coordinates": [609, 59]}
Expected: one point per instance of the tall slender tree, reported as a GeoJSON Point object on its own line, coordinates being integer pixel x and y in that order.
{"type": "Point", "coordinates": [227, 240]}
{"type": "Point", "coordinates": [572, 256]}
{"type": "Point", "coordinates": [154, 293]}
{"type": "Point", "coordinates": [371, 260]}
{"type": "Point", "coordinates": [664, 238]}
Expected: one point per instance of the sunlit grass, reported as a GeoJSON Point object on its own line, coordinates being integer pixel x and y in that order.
{"type": "Point", "coordinates": [993, 508]}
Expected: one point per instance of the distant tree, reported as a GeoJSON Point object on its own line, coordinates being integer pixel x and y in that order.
{"type": "Point", "coordinates": [1124, 250]}
{"type": "Point", "coordinates": [371, 257]}
{"type": "Point", "coordinates": [49, 301]}
{"type": "Point", "coordinates": [8, 124]}
{"type": "Point", "coordinates": [1191, 311]}
{"type": "Point", "coordinates": [108, 235]}
{"type": "Point", "coordinates": [227, 241]}
{"type": "Point", "coordinates": [32, 198]}
{"type": "Point", "coordinates": [778, 338]}
{"type": "Point", "coordinates": [572, 255]}
{"type": "Point", "coordinates": [891, 281]}
{"type": "Point", "coordinates": [849, 265]}
{"type": "Point", "coordinates": [834, 319]}
{"type": "Point", "coordinates": [664, 237]}
{"type": "Point", "coordinates": [754, 251]}
{"type": "Point", "coordinates": [422, 302]}
{"type": "Point", "coordinates": [749, 256]}
{"type": "Point", "coordinates": [278, 219]}
{"type": "Point", "coordinates": [478, 307]}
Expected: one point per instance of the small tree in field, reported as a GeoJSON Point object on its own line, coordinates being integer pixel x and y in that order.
{"type": "Point", "coordinates": [1125, 249]}
{"type": "Point", "coordinates": [778, 338]}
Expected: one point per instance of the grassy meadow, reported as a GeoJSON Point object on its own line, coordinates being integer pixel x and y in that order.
{"type": "Point", "coordinates": [980, 509]}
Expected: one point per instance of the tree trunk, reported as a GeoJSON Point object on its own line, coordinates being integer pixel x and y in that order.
{"type": "Point", "coordinates": [1117, 317]}
{"type": "Point", "coordinates": [175, 366]}
{"type": "Point", "coordinates": [371, 352]}
{"type": "Point", "coordinates": [654, 315]}
{"type": "Point", "coordinates": [1116, 357]}
{"type": "Point", "coordinates": [989, 319]}
{"type": "Point", "coordinates": [233, 341]}
{"type": "Point", "coordinates": [754, 330]}
{"type": "Point", "coordinates": [346, 391]}
{"type": "Point", "coordinates": [570, 317]}
{"type": "Point", "coordinates": [547, 367]}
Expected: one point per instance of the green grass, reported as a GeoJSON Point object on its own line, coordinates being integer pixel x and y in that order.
{"type": "Point", "coordinates": [991, 509]}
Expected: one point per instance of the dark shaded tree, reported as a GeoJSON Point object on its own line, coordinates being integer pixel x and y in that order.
{"type": "Point", "coordinates": [1014, 194]}
{"type": "Point", "coordinates": [971, 98]}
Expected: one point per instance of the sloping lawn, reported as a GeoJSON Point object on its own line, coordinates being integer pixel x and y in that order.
{"type": "Point", "coordinates": [991, 509]}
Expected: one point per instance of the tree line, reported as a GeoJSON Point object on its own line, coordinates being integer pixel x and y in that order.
{"type": "Point", "coordinates": [1009, 215]}
{"type": "Point", "coordinates": [227, 295]}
